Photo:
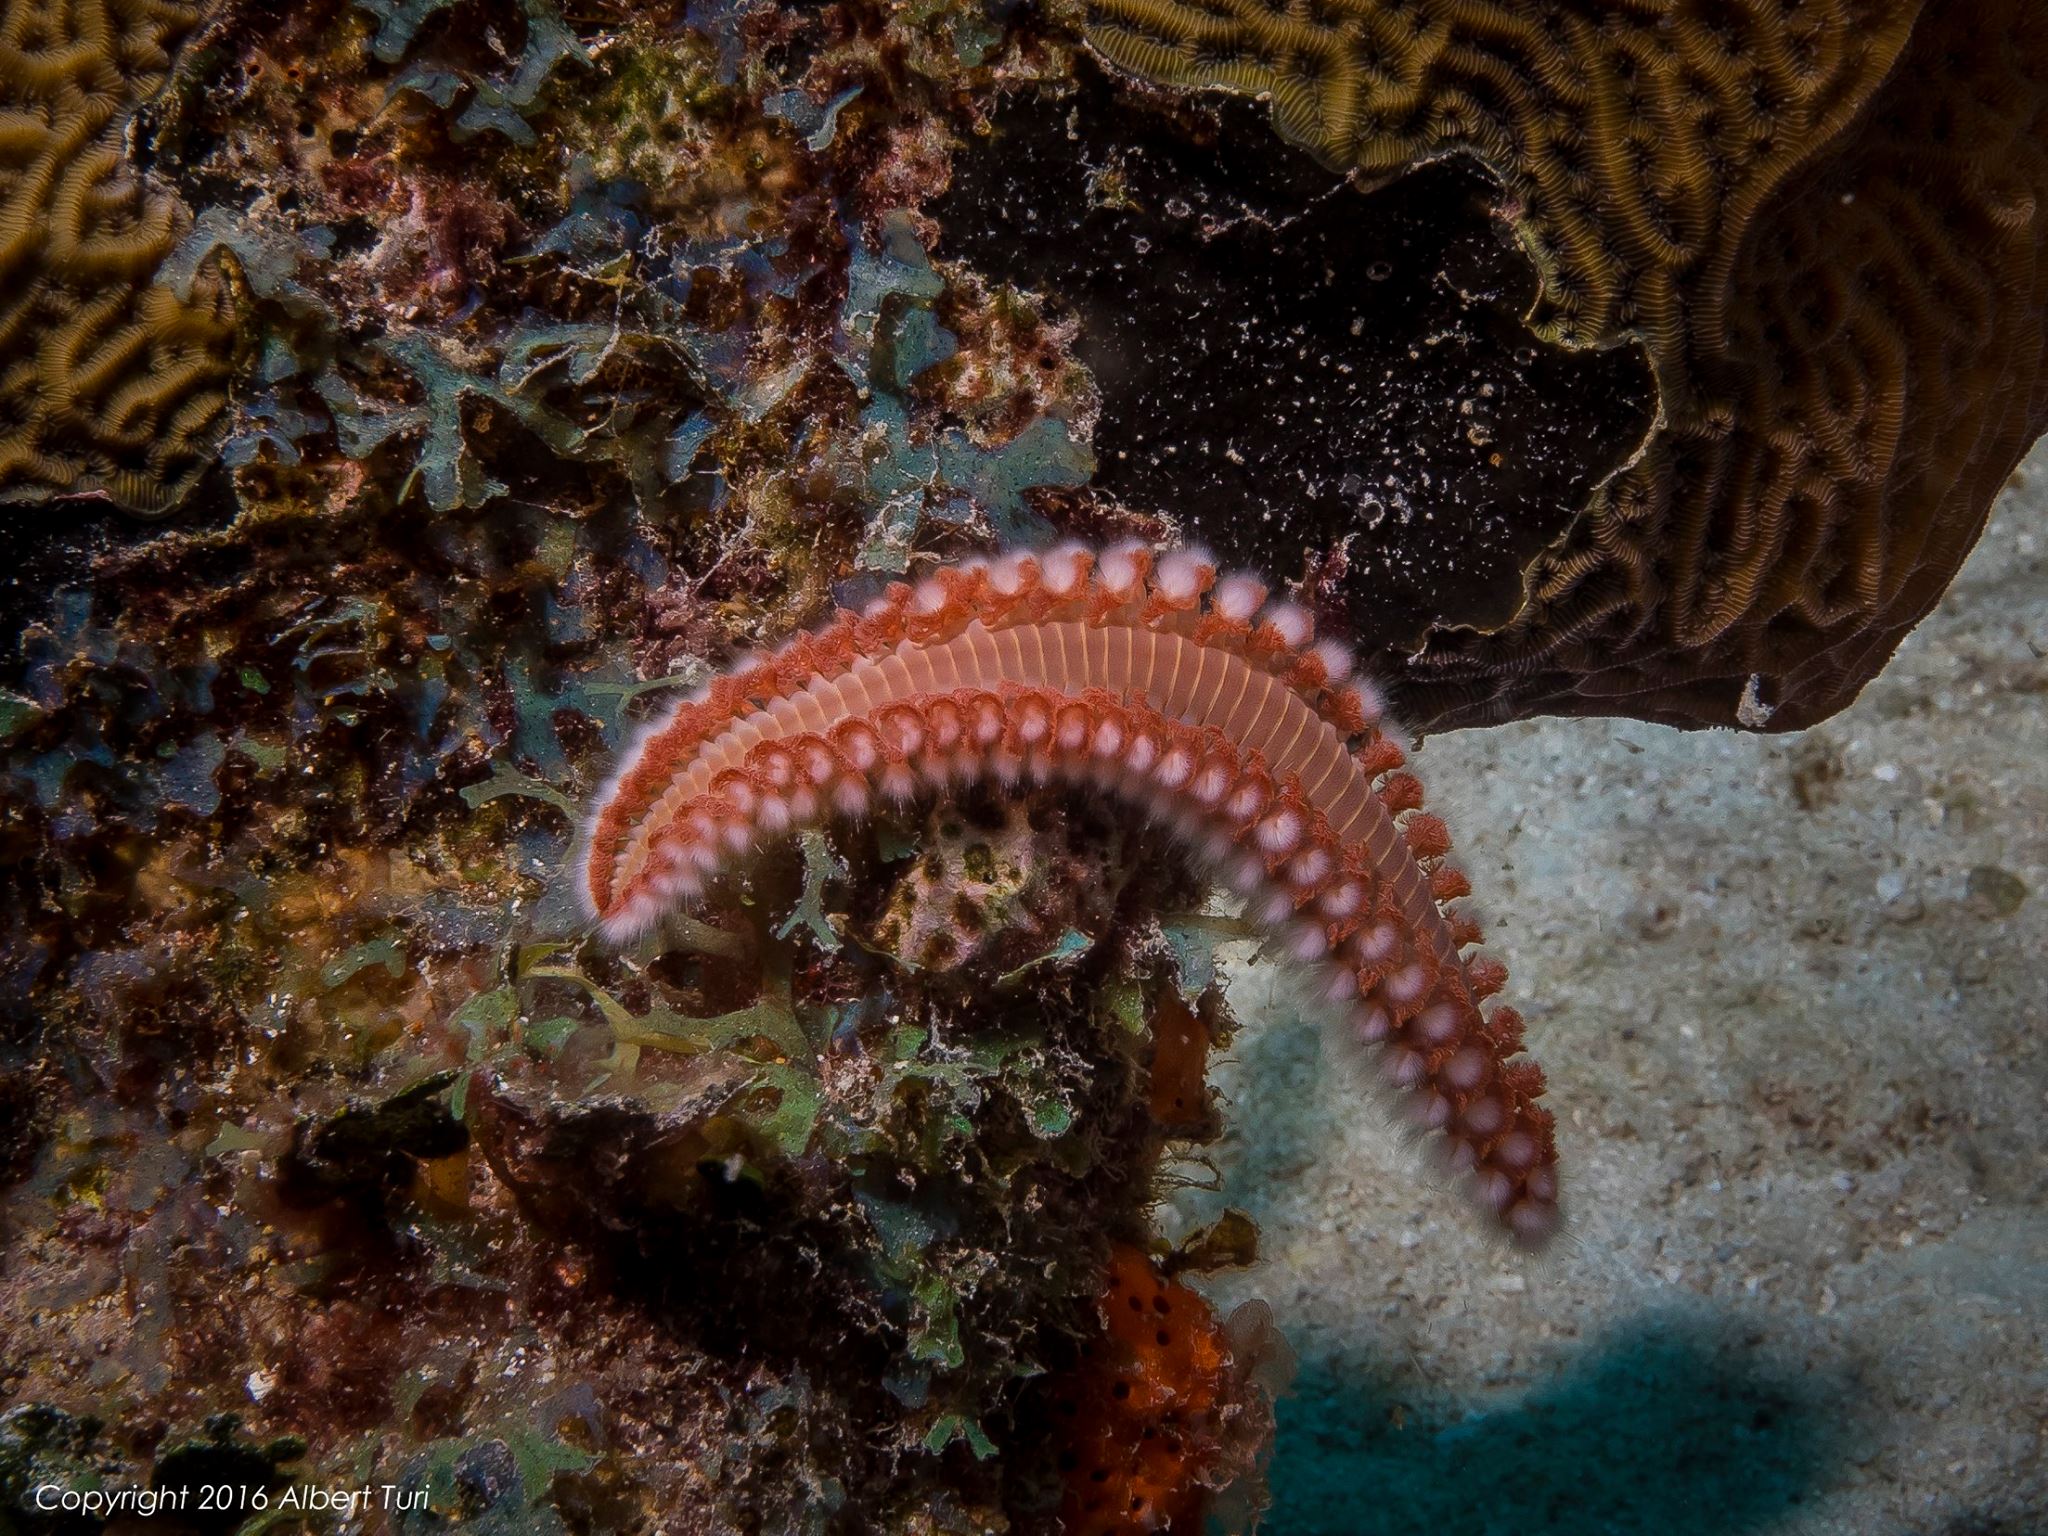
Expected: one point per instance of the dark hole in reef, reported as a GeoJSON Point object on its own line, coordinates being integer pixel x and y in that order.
{"type": "Point", "coordinates": [979, 807]}
{"type": "Point", "coordinates": [1287, 361]}
{"type": "Point", "coordinates": [48, 546]}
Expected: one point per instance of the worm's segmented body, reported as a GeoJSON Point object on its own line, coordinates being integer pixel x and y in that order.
{"type": "Point", "coordinates": [1197, 699]}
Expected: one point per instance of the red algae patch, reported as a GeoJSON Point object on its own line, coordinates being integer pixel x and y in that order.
{"type": "Point", "coordinates": [1195, 700]}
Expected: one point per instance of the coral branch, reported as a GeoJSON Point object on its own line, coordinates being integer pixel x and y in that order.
{"type": "Point", "coordinates": [1195, 700]}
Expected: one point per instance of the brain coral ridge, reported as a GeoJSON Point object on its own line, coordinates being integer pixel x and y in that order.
{"type": "Point", "coordinates": [1818, 218]}
{"type": "Point", "coordinates": [1190, 698]}
{"type": "Point", "coordinates": [108, 383]}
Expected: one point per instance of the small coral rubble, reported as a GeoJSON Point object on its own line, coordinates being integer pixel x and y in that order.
{"type": "Point", "coordinates": [998, 883]}
{"type": "Point", "coordinates": [109, 383]}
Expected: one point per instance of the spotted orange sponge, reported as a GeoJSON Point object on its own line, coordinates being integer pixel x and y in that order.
{"type": "Point", "coordinates": [1148, 1415]}
{"type": "Point", "coordinates": [1143, 675]}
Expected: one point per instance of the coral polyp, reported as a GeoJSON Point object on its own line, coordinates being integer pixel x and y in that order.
{"type": "Point", "coordinates": [1194, 700]}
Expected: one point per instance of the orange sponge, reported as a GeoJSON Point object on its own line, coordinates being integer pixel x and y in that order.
{"type": "Point", "coordinates": [1149, 1409]}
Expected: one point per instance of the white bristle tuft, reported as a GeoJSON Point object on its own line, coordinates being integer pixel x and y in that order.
{"type": "Point", "coordinates": [1238, 597]}
{"type": "Point", "coordinates": [1466, 1070]}
{"type": "Point", "coordinates": [1272, 909]}
{"type": "Point", "coordinates": [1245, 874]}
{"type": "Point", "coordinates": [1010, 574]}
{"type": "Point", "coordinates": [1438, 1024]}
{"type": "Point", "coordinates": [1343, 900]}
{"type": "Point", "coordinates": [1182, 576]}
{"type": "Point", "coordinates": [1404, 1069]}
{"type": "Point", "coordinates": [1485, 1117]}
{"type": "Point", "coordinates": [860, 747]}
{"type": "Point", "coordinates": [1517, 1151]}
{"type": "Point", "coordinates": [1307, 942]}
{"type": "Point", "coordinates": [1065, 569]}
{"type": "Point", "coordinates": [1406, 984]}
{"type": "Point", "coordinates": [1119, 569]}
{"type": "Point", "coordinates": [1291, 622]}
{"type": "Point", "coordinates": [1310, 867]}
{"type": "Point", "coordinates": [1371, 702]}
{"type": "Point", "coordinates": [1534, 1220]}
{"type": "Point", "coordinates": [1279, 833]}
{"type": "Point", "coordinates": [1378, 944]}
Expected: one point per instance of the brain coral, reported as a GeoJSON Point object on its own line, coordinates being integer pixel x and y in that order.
{"type": "Point", "coordinates": [108, 383]}
{"type": "Point", "coordinates": [1819, 220]}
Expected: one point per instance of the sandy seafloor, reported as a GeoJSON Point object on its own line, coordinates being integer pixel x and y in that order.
{"type": "Point", "coordinates": [1792, 996]}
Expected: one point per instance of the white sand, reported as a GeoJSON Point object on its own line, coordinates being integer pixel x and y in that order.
{"type": "Point", "coordinates": [1800, 1061]}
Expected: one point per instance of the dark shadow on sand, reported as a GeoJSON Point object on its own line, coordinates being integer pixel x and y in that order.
{"type": "Point", "coordinates": [1673, 1427]}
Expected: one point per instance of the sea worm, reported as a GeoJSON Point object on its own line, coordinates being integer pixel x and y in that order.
{"type": "Point", "coordinates": [1200, 700]}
